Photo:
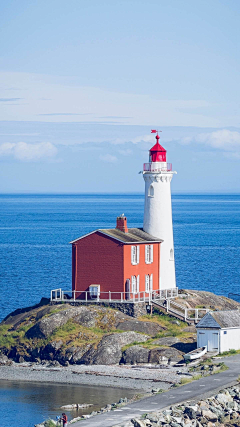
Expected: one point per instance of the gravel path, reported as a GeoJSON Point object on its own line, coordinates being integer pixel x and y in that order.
{"type": "Point", "coordinates": [140, 378]}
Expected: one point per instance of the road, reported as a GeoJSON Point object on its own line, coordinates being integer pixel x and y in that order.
{"type": "Point", "coordinates": [190, 391]}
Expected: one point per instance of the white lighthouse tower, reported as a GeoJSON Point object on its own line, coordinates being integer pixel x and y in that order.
{"type": "Point", "coordinates": [158, 175]}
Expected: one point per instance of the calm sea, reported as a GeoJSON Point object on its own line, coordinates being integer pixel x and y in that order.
{"type": "Point", "coordinates": [35, 257]}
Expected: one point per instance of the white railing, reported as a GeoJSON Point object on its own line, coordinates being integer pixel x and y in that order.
{"type": "Point", "coordinates": [187, 313]}
{"type": "Point", "coordinates": [88, 296]}
{"type": "Point", "coordinates": [157, 167]}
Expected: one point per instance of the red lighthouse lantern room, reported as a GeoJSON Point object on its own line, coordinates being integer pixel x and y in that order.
{"type": "Point", "coordinates": [157, 152]}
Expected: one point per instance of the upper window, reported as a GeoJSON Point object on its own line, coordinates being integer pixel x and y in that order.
{"type": "Point", "coordinates": [135, 255]}
{"type": "Point", "coordinates": [151, 191]}
{"type": "Point", "coordinates": [148, 254]}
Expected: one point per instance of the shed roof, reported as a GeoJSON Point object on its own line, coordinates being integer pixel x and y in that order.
{"type": "Point", "coordinates": [134, 235]}
{"type": "Point", "coordinates": [220, 319]}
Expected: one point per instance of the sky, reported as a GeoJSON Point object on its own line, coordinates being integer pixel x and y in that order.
{"type": "Point", "coordinates": [83, 82]}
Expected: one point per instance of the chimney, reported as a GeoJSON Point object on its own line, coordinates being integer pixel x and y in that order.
{"type": "Point", "coordinates": [122, 223]}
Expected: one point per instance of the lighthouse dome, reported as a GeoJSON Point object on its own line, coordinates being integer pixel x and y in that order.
{"type": "Point", "coordinates": [157, 153]}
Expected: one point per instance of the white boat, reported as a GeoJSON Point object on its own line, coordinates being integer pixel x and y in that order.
{"type": "Point", "coordinates": [195, 354]}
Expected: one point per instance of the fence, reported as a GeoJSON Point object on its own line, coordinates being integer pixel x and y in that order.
{"type": "Point", "coordinates": [58, 295]}
{"type": "Point", "coordinates": [186, 313]}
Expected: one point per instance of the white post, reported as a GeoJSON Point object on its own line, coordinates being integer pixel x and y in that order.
{"type": "Point", "coordinates": [143, 296]}
{"type": "Point", "coordinates": [109, 297]}
{"type": "Point", "coordinates": [86, 296]}
{"type": "Point", "coordinates": [196, 314]}
{"type": "Point", "coordinates": [74, 297]}
{"type": "Point", "coordinates": [133, 297]}
{"type": "Point", "coordinates": [186, 310]}
{"type": "Point", "coordinates": [121, 297]}
{"type": "Point", "coordinates": [167, 305]}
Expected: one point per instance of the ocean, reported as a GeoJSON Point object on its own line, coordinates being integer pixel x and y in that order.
{"type": "Point", "coordinates": [35, 257]}
{"type": "Point", "coordinates": [35, 231]}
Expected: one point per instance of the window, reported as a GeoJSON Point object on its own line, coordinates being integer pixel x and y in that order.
{"type": "Point", "coordinates": [135, 284]}
{"type": "Point", "coordinates": [151, 191]}
{"type": "Point", "coordinates": [94, 291]}
{"type": "Point", "coordinates": [135, 255]}
{"type": "Point", "coordinates": [148, 283]}
{"type": "Point", "coordinates": [148, 254]}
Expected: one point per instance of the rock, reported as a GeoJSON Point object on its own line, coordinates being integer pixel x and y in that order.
{"type": "Point", "coordinates": [135, 354]}
{"type": "Point", "coordinates": [87, 318]}
{"type": "Point", "coordinates": [223, 398]}
{"type": "Point", "coordinates": [77, 406]}
{"type": "Point", "coordinates": [168, 341]}
{"type": "Point", "coordinates": [109, 351]}
{"type": "Point", "coordinates": [46, 326]}
{"type": "Point", "coordinates": [4, 360]}
{"type": "Point", "coordinates": [209, 415]}
{"type": "Point", "coordinates": [138, 423]}
{"type": "Point", "coordinates": [149, 328]}
{"type": "Point", "coordinates": [169, 353]}
{"type": "Point", "coordinates": [190, 412]}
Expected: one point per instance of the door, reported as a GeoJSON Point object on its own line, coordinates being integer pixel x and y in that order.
{"type": "Point", "coordinates": [209, 339]}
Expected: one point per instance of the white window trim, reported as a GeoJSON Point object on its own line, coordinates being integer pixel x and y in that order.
{"type": "Point", "coordinates": [135, 254]}
{"type": "Point", "coordinates": [147, 283]}
{"type": "Point", "coordinates": [148, 254]}
{"type": "Point", "coordinates": [135, 284]}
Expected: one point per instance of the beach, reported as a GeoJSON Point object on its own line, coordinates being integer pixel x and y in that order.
{"type": "Point", "coordinates": [139, 378]}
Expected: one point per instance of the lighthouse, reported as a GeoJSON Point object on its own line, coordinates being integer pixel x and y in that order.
{"type": "Point", "coordinates": [158, 175]}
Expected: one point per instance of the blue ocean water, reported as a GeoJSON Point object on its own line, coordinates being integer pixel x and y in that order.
{"type": "Point", "coordinates": [35, 231]}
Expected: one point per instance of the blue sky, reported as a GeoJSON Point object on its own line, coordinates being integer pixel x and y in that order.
{"type": "Point", "coordinates": [83, 82]}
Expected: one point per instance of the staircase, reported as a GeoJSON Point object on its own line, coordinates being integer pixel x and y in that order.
{"type": "Point", "coordinates": [189, 315]}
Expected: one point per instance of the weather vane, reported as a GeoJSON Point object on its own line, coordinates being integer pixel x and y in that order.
{"type": "Point", "coordinates": [155, 131]}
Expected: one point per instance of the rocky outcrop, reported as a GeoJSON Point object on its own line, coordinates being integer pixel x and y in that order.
{"type": "Point", "coordinates": [134, 355]}
{"type": "Point", "coordinates": [200, 299]}
{"type": "Point", "coordinates": [150, 328]}
{"type": "Point", "coordinates": [109, 350]}
{"type": "Point", "coordinates": [171, 354]}
{"type": "Point", "coordinates": [46, 326]}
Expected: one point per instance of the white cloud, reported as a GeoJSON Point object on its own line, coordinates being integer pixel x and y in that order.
{"type": "Point", "coordinates": [224, 140]}
{"type": "Point", "coordinates": [27, 152]}
{"type": "Point", "coordinates": [108, 158]}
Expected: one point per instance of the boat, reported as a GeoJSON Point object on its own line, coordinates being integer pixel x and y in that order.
{"type": "Point", "coordinates": [195, 354]}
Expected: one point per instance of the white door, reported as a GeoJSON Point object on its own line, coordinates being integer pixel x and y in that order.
{"type": "Point", "coordinates": [209, 339]}
{"type": "Point", "coordinates": [213, 341]}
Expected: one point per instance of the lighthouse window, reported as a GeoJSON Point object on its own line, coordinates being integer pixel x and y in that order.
{"type": "Point", "coordinates": [135, 255]}
{"type": "Point", "coordinates": [151, 191]}
{"type": "Point", "coordinates": [148, 254]}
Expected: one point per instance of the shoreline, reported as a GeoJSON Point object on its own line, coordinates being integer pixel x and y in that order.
{"type": "Point", "coordinates": [143, 379]}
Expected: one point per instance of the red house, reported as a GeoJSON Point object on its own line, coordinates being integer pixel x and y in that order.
{"type": "Point", "coordinates": [115, 264]}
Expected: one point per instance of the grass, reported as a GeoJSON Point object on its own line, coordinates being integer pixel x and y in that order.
{"type": "Point", "coordinates": [231, 352]}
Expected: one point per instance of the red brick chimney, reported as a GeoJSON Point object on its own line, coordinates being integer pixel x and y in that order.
{"type": "Point", "coordinates": [122, 223]}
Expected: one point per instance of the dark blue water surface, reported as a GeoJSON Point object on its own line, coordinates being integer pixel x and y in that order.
{"type": "Point", "coordinates": [35, 255]}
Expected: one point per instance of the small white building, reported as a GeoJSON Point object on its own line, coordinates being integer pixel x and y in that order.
{"type": "Point", "coordinates": [219, 331]}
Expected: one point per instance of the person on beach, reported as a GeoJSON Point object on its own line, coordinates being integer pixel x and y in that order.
{"type": "Point", "coordinates": [64, 420]}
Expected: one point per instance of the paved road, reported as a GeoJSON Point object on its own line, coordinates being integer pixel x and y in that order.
{"type": "Point", "coordinates": [187, 392]}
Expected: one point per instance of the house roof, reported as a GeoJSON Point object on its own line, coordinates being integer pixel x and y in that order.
{"type": "Point", "coordinates": [220, 319]}
{"type": "Point", "coordinates": [134, 235]}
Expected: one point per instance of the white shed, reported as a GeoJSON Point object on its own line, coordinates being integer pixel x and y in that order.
{"type": "Point", "coordinates": [219, 331]}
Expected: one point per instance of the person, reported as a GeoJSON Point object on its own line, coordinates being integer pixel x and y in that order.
{"type": "Point", "coordinates": [64, 420]}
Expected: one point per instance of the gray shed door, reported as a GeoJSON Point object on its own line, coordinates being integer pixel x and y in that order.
{"type": "Point", "coordinates": [209, 339]}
